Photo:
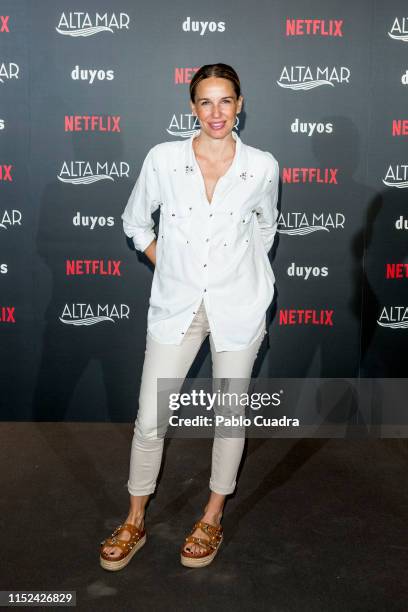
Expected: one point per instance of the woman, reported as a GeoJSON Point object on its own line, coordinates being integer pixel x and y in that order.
{"type": "Point", "coordinates": [218, 217]}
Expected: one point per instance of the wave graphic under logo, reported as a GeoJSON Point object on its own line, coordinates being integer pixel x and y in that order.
{"type": "Point", "coordinates": [302, 231]}
{"type": "Point", "coordinates": [401, 185]}
{"type": "Point", "coordinates": [306, 85]}
{"type": "Point", "coordinates": [399, 325]}
{"type": "Point", "coordinates": [85, 180]}
{"type": "Point", "coordinates": [86, 321]}
{"type": "Point", "coordinates": [3, 226]}
{"type": "Point", "coordinates": [85, 31]}
{"type": "Point", "coordinates": [184, 134]}
{"type": "Point", "coordinates": [403, 37]}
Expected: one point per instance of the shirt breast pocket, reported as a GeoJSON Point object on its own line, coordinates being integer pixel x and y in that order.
{"type": "Point", "coordinates": [177, 224]}
{"type": "Point", "coordinates": [237, 229]}
{"type": "Point", "coordinates": [245, 227]}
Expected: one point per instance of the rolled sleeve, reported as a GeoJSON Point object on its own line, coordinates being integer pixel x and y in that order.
{"type": "Point", "coordinates": [267, 208]}
{"type": "Point", "coordinates": [144, 199]}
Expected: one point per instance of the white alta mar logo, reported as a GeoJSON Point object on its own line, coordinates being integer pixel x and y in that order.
{"type": "Point", "coordinates": [86, 314]}
{"type": "Point", "coordinates": [82, 172]}
{"type": "Point", "coordinates": [83, 24]}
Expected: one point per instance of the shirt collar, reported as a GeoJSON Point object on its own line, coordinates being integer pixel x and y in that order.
{"type": "Point", "coordinates": [233, 170]}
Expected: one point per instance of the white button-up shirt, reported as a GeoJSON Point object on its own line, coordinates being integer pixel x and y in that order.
{"type": "Point", "coordinates": [217, 252]}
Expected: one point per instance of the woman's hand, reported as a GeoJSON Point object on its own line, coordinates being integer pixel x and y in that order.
{"type": "Point", "coordinates": [150, 252]}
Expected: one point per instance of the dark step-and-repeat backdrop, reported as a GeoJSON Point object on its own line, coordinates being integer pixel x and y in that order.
{"type": "Point", "coordinates": [86, 88]}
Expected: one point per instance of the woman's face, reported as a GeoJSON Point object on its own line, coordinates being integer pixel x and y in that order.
{"type": "Point", "coordinates": [216, 106]}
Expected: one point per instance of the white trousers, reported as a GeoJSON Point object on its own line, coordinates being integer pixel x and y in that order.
{"type": "Point", "coordinates": [174, 361]}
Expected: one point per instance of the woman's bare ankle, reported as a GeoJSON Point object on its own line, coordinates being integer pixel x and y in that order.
{"type": "Point", "coordinates": [136, 517]}
{"type": "Point", "coordinates": [212, 516]}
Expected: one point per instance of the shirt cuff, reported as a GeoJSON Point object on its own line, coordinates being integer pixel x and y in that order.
{"type": "Point", "coordinates": [143, 239]}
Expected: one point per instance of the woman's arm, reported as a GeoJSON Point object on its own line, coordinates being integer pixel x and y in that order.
{"type": "Point", "coordinates": [150, 252]}
{"type": "Point", "coordinates": [143, 201]}
{"type": "Point", "coordinates": [267, 211]}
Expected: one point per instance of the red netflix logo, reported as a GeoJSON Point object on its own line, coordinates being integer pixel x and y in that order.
{"type": "Point", "coordinates": [400, 127]}
{"type": "Point", "coordinates": [310, 175]}
{"type": "Point", "coordinates": [306, 317]}
{"type": "Point", "coordinates": [7, 314]}
{"type": "Point", "coordinates": [398, 270]}
{"type": "Point", "coordinates": [184, 75]}
{"type": "Point", "coordinates": [4, 23]}
{"type": "Point", "coordinates": [99, 267]}
{"type": "Point", "coordinates": [92, 123]}
{"type": "Point", "coordinates": [314, 27]}
{"type": "Point", "coordinates": [5, 173]}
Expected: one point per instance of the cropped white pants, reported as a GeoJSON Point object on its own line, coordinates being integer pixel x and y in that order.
{"type": "Point", "coordinates": [174, 361]}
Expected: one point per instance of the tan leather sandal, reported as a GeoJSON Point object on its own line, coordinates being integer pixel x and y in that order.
{"type": "Point", "coordinates": [210, 545]}
{"type": "Point", "coordinates": [129, 547]}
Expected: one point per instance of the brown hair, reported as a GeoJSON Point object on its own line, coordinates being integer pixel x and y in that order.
{"type": "Point", "coordinates": [222, 71]}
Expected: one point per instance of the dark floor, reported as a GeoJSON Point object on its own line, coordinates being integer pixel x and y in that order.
{"type": "Point", "coordinates": [315, 525]}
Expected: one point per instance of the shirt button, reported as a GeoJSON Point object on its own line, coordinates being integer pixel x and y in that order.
{"type": "Point", "coordinates": [205, 290]}
{"type": "Point", "coordinates": [205, 265]}
{"type": "Point", "coordinates": [210, 214]}
{"type": "Point", "coordinates": [207, 240]}
{"type": "Point", "coordinates": [194, 312]}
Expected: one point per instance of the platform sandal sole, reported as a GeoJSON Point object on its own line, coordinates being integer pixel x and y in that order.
{"type": "Point", "coordinates": [199, 561]}
{"type": "Point", "coordinates": [114, 566]}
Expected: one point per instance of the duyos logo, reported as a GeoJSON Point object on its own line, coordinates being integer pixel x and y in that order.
{"type": "Point", "coordinates": [92, 221]}
{"type": "Point", "coordinates": [401, 223]}
{"type": "Point", "coordinates": [306, 272]}
{"type": "Point", "coordinates": [203, 27]}
{"type": "Point", "coordinates": [309, 128]}
{"type": "Point", "coordinates": [91, 74]}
